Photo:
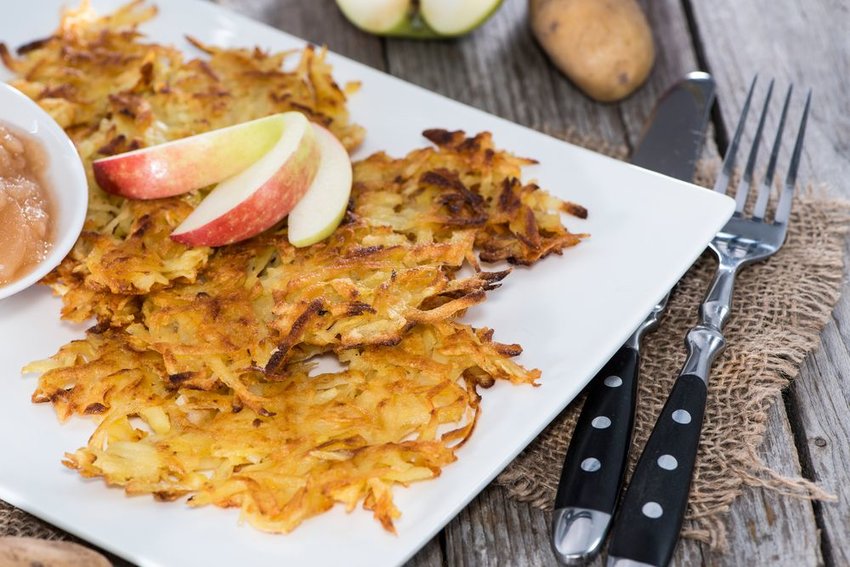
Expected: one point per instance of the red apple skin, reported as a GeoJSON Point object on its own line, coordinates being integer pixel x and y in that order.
{"type": "Point", "coordinates": [147, 177]}
{"type": "Point", "coordinates": [265, 207]}
{"type": "Point", "coordinates": [184, 165]}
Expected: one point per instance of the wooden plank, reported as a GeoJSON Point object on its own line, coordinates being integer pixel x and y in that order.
{"type": "Point", "coordinates": [739, 41]}
{"type": "Point", "coordinates": [822, 393]}
{"type": "Point", "coordinates": [782, 38]}
{"type": "Point", "coordinates": [495, 530]}
{"type": "Point", "coordinates": [488, 531]}
{"type": "Point", "coordinates": [766, 528]}
{"type": "Point", "coordinates": [318, 21]}
{"type": "Point", "coordinates": [763, 527]}
{"type": "Point", "coordinates": [674, 57]}
{"type": "Point", "coordinates": [500, 69]}
{"type": "Point", "coordinates": [688, 554]}
{"type": "Point", "coordinates": [429, 556]}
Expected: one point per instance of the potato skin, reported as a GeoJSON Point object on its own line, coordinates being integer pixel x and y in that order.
{"type": "Point", "coordinates": [604, 46]}
{"type": "Point", "coordinates": [27, 552]}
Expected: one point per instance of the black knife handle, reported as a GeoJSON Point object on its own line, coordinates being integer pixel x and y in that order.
{"type": "Point", "coordinates": [603, 433]}
{"type": "Point", "coordinates": [654, 505]}
{"type": "Point", "coordinates": [596, 458]}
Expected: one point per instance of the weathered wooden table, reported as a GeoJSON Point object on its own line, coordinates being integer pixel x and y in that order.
{"type": "Point", "coordinates": [500, 69]}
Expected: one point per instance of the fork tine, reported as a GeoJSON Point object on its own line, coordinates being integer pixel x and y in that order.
{"type": "Point", "coordinates": [767, 180]}
{"type": "Point", "coordinates": [784, 208]}
{"type": "Point", "coordinates": [722, 182]}
{"type": "Point", "coordinates": [747, 178]}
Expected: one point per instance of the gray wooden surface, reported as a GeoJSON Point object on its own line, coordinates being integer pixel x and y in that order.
{"type": "Point", "coordinates": [500, 69]}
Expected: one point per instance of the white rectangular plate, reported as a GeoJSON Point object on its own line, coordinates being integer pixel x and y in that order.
{"type": "Point", "coordinates": [570, 313]}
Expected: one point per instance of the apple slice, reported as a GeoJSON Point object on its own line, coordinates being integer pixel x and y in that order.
{"type": "Point", "coordinates": [189, 163]}
{"type": "Point", "coordinates": [456, 17]}
{"type": "Point", "coordinates": [383, 17]}
{"type": "Point", "coordinates": [323, 206]}
{"type": "Point", "coordinates": [255, 199]}
{"type": "Point", "coordinates": [434, 18]}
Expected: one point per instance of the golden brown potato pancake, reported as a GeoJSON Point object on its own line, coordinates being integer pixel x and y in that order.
{"type": "Point", "coordinates": [200, 372]}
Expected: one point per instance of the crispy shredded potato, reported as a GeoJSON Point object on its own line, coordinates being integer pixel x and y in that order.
{"type": "Point", "coordinates": [340, 437]}
{"type": "Point", "coordinates": [465, 183]}
{"type": "Point", "coordinates": [113, 92]}
{"type": "Point", "coordinates": [198, 371]}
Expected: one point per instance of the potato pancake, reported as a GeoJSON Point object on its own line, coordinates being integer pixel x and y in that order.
{"type": "Point", "coordinates": [201, 371]}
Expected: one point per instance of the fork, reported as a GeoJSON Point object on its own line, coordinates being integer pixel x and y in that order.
{"type": "Point", "coordinates": [653, 508]}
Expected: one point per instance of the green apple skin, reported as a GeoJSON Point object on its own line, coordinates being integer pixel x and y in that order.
{"type": "Point", "coordinates": [412, 27]}
{"type": "Point", "coordinates": [428, 12]}
{"type": "Point", "coordinates": [380, 17]}
{"type": "Point", "coordinates": [409, 24]}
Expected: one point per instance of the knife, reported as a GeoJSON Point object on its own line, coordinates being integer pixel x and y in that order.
{"type": "Point", "coordinates": [596, 459]}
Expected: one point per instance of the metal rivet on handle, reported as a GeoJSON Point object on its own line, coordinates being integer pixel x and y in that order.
{"type": "Point", "coordinates": [601, 422]}
{"type": "Point", "coordinates": [591, 464]}
{"type": "Point", "coordinates": [652, 510]}
{"type": "Point", "coordinates": [613, 381]}
{"type": "Point", "coordinates": [668, 462]}
{"type": "Point", "coordinates": [682, 416]}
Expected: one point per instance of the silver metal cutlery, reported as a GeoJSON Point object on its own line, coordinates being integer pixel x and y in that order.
{"type": "Point", "coordinates": [596, 459]}
{"type": "Point", "coordinates": [651, 513]}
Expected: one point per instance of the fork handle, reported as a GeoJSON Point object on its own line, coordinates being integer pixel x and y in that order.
{"type": "Point", "coordinates": [654, 506]}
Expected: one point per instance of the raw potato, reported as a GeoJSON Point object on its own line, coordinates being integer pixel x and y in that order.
{"type": "Point", "coordinates": [29, 551]}
{"type": "Point", "coordinates": [604, 46]}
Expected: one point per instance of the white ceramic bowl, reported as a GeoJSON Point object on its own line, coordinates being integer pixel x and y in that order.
{"type": "Point", "coordinates": [65, 177]}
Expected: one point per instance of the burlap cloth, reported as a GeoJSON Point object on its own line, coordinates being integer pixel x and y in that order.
{"type": "Point", "coordinates": [780, 308]}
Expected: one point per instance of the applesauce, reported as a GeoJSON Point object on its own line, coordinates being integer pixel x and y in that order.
{"type": "Point", "coordinates": [26, 230]}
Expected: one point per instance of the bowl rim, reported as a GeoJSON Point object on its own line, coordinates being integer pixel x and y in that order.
{"type": "Point", "coordinates": [62, 155]}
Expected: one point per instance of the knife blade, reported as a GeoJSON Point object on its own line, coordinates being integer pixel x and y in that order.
{"type": "Point", "coordinates": [596, 458]}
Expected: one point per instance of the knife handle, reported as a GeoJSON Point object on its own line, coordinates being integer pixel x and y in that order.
{"type": "Point", "coordinates": [654, 505]}
{"type": "Point", "coordinates": [595, 461]}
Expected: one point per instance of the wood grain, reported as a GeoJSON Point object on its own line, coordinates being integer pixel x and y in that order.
{"type": "Point", "coordinates": [766, 528]}
{"type": "Point", "coordinates": [318, 21]}
{"type": "Point", "coordinates": [794, 42]}
{"type": "Point", "coordinates": [495, 530]}
{"type": "Point", "coordinates": [822, 396]}
{"type": "Point", "coordinates": [500, 69]}
{"type": "Point", "coordinates": [674, 57]}
{"type": "Point", "coordinates": [808, 47]}
{"type": "Point", "coordinates": [429, 556]}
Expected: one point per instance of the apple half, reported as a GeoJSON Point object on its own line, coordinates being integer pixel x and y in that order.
{"type": "Point", "coordinates": [189, 163]}
{"type": "Point", "coordinates": [261, 195]}
{"type": "Point", "coordinates": [384, 17]}
{"type": "Point", "coordinates": [433, 19]}
{"type": "Point", "coordinates": [456, 17]}
{"type": "Point", "coordinates": [323, 206]}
